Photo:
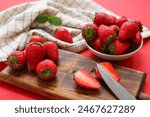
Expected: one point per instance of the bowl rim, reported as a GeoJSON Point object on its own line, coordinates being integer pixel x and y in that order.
{"type": "Point", "coordinates": [117, 56]}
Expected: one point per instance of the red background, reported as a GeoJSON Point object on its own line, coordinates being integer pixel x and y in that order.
{"type": "Point", "coordinates": [138, 9]}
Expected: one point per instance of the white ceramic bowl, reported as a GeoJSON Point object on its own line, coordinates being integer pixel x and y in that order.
{"type": "Point", "coordinates": [114, 57]}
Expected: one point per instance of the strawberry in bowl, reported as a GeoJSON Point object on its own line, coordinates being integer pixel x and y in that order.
{"type": "Point", "coordinates": [117, 39]}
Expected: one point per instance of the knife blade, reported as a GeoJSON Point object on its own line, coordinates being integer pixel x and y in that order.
{"type": "Point", "coordinates": [119, 91]}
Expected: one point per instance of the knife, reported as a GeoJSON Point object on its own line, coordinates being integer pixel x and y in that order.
{"type": "Point", "coordinates": [119, 91]}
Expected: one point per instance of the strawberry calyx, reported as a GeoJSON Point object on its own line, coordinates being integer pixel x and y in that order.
{"type": "Point", "coordinates": [110, 39]}
{"type": "Point", "coordinates": [74, 71]}
{"type": "Point", "coordinates": [89, 33]}
{"type": "Point", "coordinates": [46, 73]}
{"type": "Point", "coordinates": [13, 62]}
{"type": "Point", "coordinates": [36, 43]}
{"type": "Point", "coordinates": [93, 70]}
{"type": "Point", "coordinates": [111, 48]}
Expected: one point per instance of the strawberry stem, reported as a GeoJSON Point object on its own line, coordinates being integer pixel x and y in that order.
{"type": "Point", "coordinates": [36, 43]}
{"type": "Point", "coordinates": [46, 73]}
{"type": "Point", "coordinates": [13, 62]}
{"type": "Point", "coordinates": [93, 70]}
{"type": "Point", "coordinates": [74, 71]}
{"type": "Point", "coordinates": [89, 33]}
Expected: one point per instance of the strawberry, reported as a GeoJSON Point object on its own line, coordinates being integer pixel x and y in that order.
{"type": "Point", "coordinates": [51, 51]}
{"type": "Point", "coordinates": [137, 39]}
{"type": "Point", "coordinates": [128, 30]}
{"type": "Point", "coordinates": [46, 69]}
{"type": "Point", "coordinates": [36, 39]}
{"type": "Point", "coordinates": [16, 60]}
{"type": "Point", "coordinates": [103, 18]}
{"type": "Point", "coordinates": [89, 32]}
{"type": "Point", "coordinates": [35, 53]}
{"type": "Point", "coordinates": [138, 23]}
{"type": "Point", "coordinates": [106, 34]}
{"type": "Point", "coordinates": [63, 35]}
{"type": "Point", "coordinates": [120, 21]}
{"type": "Point", "coordinates": [98, 44]}
{"type": "Point", "coordinates": [110, 69]}
{"type": "Point", "coordinates": [114, 27]}
{"type": "Point", "coordinates": [117, 47]}
{"type": "Point", "coordinates": [86, 80]}
{"type": "Point", "coordinates": [96, 72]}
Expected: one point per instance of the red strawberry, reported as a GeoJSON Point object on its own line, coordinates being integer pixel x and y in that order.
{"type": "Point", "coordinates": [137, 39]}
{"type": "Point", "coordinates": [16, 60]}
{"type": "Point", "coordinates": [103, 18]}
{"type": "Point", "coordinates": [110, 69]}
{"type": "Point", "coordinates": [98, 75]}
{"type": "Point", "coordinates": [89, 32]}
{"type": "Point", "coordinates": [98, 44]}
{"type": "Point", "coordinates": [120, 21]}
{"type": "Point", "coordinates": [106, 34]}
{"type": "Point", "coordinates": [138, 23]}
{"type": "Point", "coordinates": [35, 53]}
{"type": "Point", "coordinates": [51, 51]}
{"type": "Point", "coordinates": [128, 30]}
{"type": "Point", "coordinates": [36, 39]}
{"type": "Point", "coordinates": [63, 35]}
{"type": "Point", "coordinates": [86, 80]}
{"type": "Point", "coordinates": [114, 27]}
{"type": "Point", "coordinates": [46, 69]}
{"type": "Point", "coordinates": [117, 47]}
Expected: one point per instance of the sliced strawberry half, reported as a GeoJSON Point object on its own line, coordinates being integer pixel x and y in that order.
{"type": "Point", "coordinates": [86, 80]}
{"type": "Point", "coordinates": [110, 69]}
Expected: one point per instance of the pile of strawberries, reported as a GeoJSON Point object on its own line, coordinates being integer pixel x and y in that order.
{"type": "Point", "coordinates": [40, 57]}
{"type": "Point", "coordinates": [110, 35]}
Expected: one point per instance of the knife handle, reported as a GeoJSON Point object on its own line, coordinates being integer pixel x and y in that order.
{"type": "Point", "coordinates": [144, 96]}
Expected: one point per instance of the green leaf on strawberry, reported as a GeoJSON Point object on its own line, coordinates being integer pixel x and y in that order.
{"type": "Point", "coordinates": [54, 20]}
{"type": "Point", "coordinates": [42, 18]}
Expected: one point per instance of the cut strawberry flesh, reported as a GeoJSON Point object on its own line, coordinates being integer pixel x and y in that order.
{"type": "Point", "coordinates": [110, 69]}
{"type": "Point", "coordinates": [86, 80]}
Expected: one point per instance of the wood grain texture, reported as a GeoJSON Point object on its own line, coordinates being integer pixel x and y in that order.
{"type": "Point", "coordinates": [143, 96]}
{"type": "Point", "coordinates": [64, 87]}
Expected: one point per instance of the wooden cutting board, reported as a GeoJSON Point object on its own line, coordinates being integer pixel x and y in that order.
{"type": "Point", "coordinates": [64, 87]}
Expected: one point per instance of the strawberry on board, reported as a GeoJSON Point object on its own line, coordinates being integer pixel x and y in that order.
{"type": "Point", "coordinates": [36, 39]}
{"type": "Point", "coordinates": [85, 79]}
{"type": "Point", "coordinates": [16, 60]}
{"type": "Point", "coordinates": [35, 52]}
{"type": "Point", "coordinates": [117, 47]}
{"type": "Point", "coordinates": [46, 69]}
{"type": "Point", "coordinates": [51, 51]}
{"type": "Point", "coordinates": [121, 20]}
{"type": "Point", "coordinates": [110, 69]}
{"type": "Point", "coordinates": [96, 72]}
{"type": "Point", "coordinates": [106, 33]}
{"type": "Point", "coordinates": [98, 44]}
{"type": "Point", "coordinates": [103, 18]}
{"type": "Point", "coordinates": [89, 32]}
{"type": "Point", "coordinates": [127, 30]}
{"type": "Point", "coordinates": [63, 35]}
